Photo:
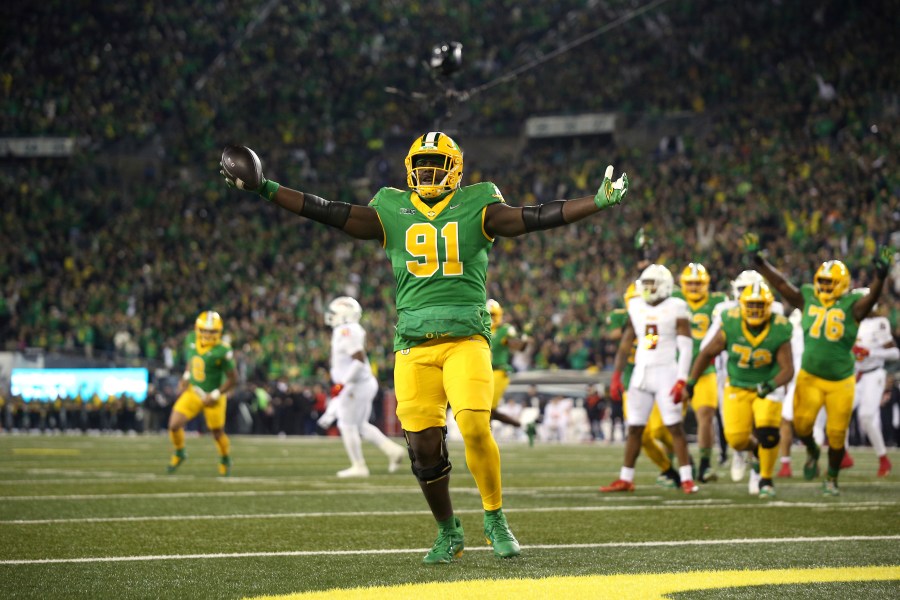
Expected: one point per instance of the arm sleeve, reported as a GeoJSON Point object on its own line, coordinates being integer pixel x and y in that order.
{"type": "Point", "coordinates": [685, 350]}
{"type": "Point", "coordinates": [356, 372]}
{"type": "Point", "coordinates": [892, 353]}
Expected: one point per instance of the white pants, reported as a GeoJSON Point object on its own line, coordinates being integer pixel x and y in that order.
{"type": "Point", "coordinates": [354, 403]}
{"type": "Point", "coordinates": [867, 402]}
{"type": "Point", "coordinates": [653, 387]}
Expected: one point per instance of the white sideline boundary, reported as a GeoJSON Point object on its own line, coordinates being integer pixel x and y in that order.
{"type": "Point", "coordinates": [673, 543]}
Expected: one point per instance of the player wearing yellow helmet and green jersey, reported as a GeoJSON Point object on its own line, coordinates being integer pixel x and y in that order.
{"type": "Point", "coordinates": [705, 401]}
{"type": "Point", "coordinates": [504, 340]}
{"type": "Point", "coordinates": [831, 314]}
{"type": "Point", "coordinates": [759, 364]}
{"type": "Point", "coordinates": [437, 234]}
{"type": "Point", "coordinates": [209, 375]}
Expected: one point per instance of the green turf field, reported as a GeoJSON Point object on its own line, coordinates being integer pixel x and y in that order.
{"type": "Point", "coordinates": [97, 517]}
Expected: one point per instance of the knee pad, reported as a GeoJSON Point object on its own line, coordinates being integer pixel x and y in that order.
{"type": "Point", "coordinates": [434, 473]}
{"type": "Point", "coordinates": [768, 436]}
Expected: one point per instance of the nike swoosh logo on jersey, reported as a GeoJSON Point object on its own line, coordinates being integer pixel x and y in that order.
{"type": "Point", "coordinates": [454, 206]}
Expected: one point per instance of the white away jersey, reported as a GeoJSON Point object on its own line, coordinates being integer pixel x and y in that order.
{"type": "Point", "coordinates": [873, 332]}
{"type": "Point", "coordinates": [346, 341]}
{"type": "Point", "coordinates": [654, 329]}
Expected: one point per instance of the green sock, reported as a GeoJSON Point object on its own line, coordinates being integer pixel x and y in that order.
{"type": "Point", "coordinates": [447, 523]}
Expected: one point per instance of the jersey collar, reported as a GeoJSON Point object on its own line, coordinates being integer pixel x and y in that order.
{"type": "Point", "coordinates": [757, 339]}
{"type": "Point", "coordinates": [430, 212]}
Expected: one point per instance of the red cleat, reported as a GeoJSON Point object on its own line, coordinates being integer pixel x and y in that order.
{"type": "Point", "coordinates": [884, 466]}
{"type": "Point", "coordinates": [689, 487]}
{"type": "Point", "coordinates": [847, 461]}
{"type": "Point", "coordinates": [785, 471]}
{"type": "Point", "coordinates": [619, 485]}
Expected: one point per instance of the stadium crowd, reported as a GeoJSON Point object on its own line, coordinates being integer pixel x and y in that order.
{"type": "Point", "coordinates": [104, 257]}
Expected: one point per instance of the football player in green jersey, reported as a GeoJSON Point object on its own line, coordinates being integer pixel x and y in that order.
{"type": "Point", "coordinates": [437, 235]}
{"type": "Point", "coordinates": [705, 401]}
{"type": "Point", "coordinates": [758, 344]}
{"type": "Point", "coordinates": [504, 341]}
{"type": "Point", "coordinates": [831, 314]}
{"type": "Point", "coordinates": [210, 374]}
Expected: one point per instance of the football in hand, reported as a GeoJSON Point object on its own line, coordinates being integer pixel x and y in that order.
{"type": "Point", "coordinates": [242, 166]}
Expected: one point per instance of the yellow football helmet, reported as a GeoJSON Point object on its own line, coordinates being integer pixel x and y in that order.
{"type": "Point", "coordinates": [208, 328]}
{"type": "Point", "coordinates": [756, 304]}
{"type": "Point", "coordinates": [496, 313]}
{"type": "Point", "coordinates": [695, 282]}
{"type": "Point", "coordinates": [832, 280]}
{"type": "Point", "coordinates": [630, 293]}
{"type": "Point", "coordinates": [434, 165]}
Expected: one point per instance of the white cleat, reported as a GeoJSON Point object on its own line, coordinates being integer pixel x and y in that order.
{"type": "Point", "coordinates": [395, 461]}
{"type": "Point", "coordinates": [753, 483]}
{"type": "Point", "coordinates": [738, 465]}
{"type": "Point", "coordinates": [354, 471]}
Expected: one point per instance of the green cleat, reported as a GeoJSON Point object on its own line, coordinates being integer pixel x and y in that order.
{"type": "Point", "coordinates": [830, 488]}
{"type": "Point", "coordinates": [448, 545]}
{"type": "Point", "coordinates": [224, 466]}
{"type": "Point", "coordinates": [498, 535]}
{"type": "Point", "coordinates": [767, 491]}
{"type": "Point", "coordinates": [811, 466]}
{"type": "Point", "coordinates": [664, 481]}
{"type": "Point", "coordinates": [175, 461]}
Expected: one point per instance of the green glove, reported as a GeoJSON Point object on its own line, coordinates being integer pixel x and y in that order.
{"type": "Point", "coordinates": [611, 193]}
{"type": "Point", "coordinates": [642, 239]}
{"type": "Point", "coordinates": [764, 389]}
{"type": "Point", "coordinates": [883, 259]}
{"type": "Point", "coordinates": [751, 246]}
{"type": "Point", "coordinates": [242, 169]}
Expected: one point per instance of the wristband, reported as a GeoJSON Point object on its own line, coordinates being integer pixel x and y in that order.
{"type": "Point", "coordinates": [268, 189]}
{"type": "Point", "coordinates": [215, 394]}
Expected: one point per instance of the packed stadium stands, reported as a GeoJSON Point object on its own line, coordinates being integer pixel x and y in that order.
{"type": "Point", "coordinates": [112, 252]}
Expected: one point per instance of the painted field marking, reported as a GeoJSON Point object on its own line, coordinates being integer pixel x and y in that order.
{"type": "Point", "coordinates": [660, 544]}
{"type": "Point", "coordinates": [644, 586]}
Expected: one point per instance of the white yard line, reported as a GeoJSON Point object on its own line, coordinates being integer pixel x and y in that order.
{"type": "Point", "coordinates": [794, 540]}
{"type": "Point", "coordinates": [686, 505]}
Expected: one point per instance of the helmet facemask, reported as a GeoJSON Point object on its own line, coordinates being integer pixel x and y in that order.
{"type": "Point", "coordinates": [832, 280]}
{"type": "Point", "coordinates": [343, 310]}
{"type": "Point", "coordinates": [208, 329]}
{"type": "Point", "coordinates": [434, 165]}
{"type": "Point", "coordinates": [695, 282]}
{"type": "Point", "coordinates": [655, 284]}
{"type": "Point", "coordinates": [756, 304]}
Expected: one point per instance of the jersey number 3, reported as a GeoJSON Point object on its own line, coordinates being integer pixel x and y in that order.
{"type": "Point", "coordinates": [422, 243]}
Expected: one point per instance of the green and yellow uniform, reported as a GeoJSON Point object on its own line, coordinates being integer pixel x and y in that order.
{"type": "Point", "coordinates": [439, 255]}
{"type": "Point", "coordinates": [752, 359]}
{"type": "Point", "coordinates": [206, 370]}
{"type": "Point", "coordinates": [826, 371]}
{"type": "Point", "coordinates": [501, 357]}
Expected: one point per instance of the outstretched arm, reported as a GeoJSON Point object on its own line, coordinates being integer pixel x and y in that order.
{"type": "Point", "coordinates": [242, 169]}
{"type": "Point", "coordinates": [772, 275]}
{"type": "Point", "coordinates": [882, 262]}
{"type": "Point", "coordinates": [507, 221]}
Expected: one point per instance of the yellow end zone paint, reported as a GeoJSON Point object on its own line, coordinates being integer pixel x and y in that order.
{"type": "Point", "coordinates": [47, 451]}
{"type": "Point", "coordinates": [645, 586]}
